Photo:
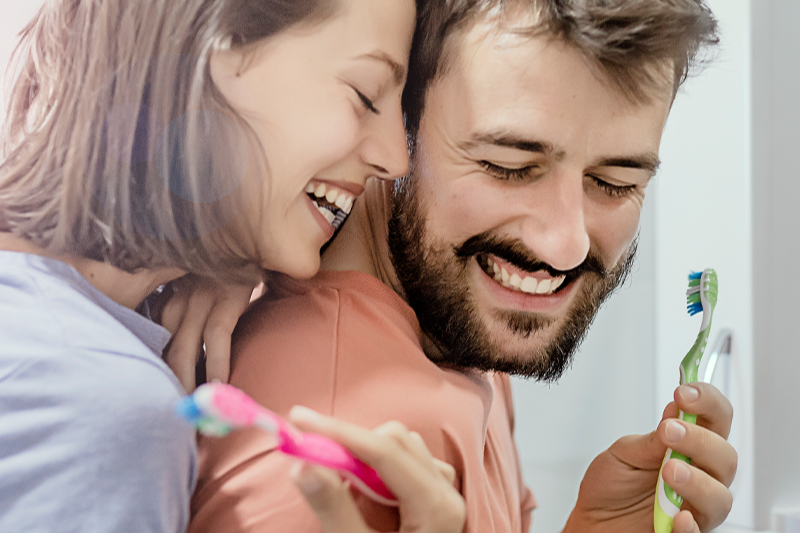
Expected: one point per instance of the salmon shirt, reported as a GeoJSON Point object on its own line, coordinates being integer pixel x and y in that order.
{"type": "Point", "coordinates": [346, 345]}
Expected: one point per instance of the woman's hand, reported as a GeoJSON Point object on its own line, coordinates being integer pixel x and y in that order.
{"type": "Point", "coordinates": [200, 311]}
{"type": "Point", "coordinates": [423, 485]}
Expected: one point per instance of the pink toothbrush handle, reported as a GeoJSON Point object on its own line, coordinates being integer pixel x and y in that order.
{"type": "Point", "coordinates": [326, 452]}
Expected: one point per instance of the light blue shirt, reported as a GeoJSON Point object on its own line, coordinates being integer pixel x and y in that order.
{"type": "Point", "coordinates": [88, 438]}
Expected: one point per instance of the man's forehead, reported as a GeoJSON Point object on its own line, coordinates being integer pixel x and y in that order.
{"type": "Point", "coordinates": [534, 95]}
{"type": "Point", "coordinates": [515, 32]}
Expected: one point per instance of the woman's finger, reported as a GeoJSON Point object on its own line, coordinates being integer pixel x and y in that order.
{"type": "Point", "coordinates": [411, 441]}
{"type": "Point", "coordinates": [228, 305]}
{"type": "Point", "coordinates": [446, 469]}
{"type": "Point", "coordinates": [186, 344]}
{"type": "Point", "coordinates": [428, 501]}
{"type": "Point", "coordinates": [330, 499]}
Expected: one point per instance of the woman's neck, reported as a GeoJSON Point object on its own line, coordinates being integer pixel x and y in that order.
{"type": "Point", "coordinates": [123, 287]}
{"type": "Point", "coordinates": [362, 244]}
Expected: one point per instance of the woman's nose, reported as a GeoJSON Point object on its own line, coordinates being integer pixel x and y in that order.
{"type": "Point", "coordinates": [385, 148]}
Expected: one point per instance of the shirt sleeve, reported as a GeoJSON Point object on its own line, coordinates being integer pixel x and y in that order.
{"type": "Point", "coordinates": [89, 442]}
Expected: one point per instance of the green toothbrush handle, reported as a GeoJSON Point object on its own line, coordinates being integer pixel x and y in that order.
{"type": "Point", "coordinates": [667, 501]}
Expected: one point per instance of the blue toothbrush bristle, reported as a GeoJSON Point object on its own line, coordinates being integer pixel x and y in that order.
{"type": "Point", "coordinates": [694, 309]}
{"type": "Point", "coordinates": [188, 409]}
{"type": "Point", "coordinates": [695, 275]}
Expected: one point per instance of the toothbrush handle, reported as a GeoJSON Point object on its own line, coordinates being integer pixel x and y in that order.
{"type": "Point", "coordinates": [667, 501]}
{"type": "Point", "coordinates": [328, 453]}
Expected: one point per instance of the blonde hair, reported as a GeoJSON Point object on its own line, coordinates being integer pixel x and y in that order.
{"type": "Point", "coordinates": [117, 146]}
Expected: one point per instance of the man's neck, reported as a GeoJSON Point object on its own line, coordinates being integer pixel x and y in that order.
{"type": "Point", "coordinates": [362, 244]}
{"type": "Point", "coordinates": [123, 287]}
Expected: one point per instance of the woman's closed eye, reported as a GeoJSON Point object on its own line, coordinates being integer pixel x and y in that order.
{"type": "Point", "coordinates": [368, 104]}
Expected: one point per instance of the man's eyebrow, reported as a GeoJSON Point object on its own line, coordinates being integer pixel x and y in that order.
{"type": "Point", "coordinates": [648, 162]}
{"type": "Point", "coordinates": [398, 70]}
{"type": "Point", "coordinates": [507, 140]}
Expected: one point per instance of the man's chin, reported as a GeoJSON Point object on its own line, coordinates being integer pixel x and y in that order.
{"type": "Point", "coordinates": [523, 344]}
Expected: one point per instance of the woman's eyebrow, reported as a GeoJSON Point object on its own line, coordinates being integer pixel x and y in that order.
{"type": "Point", "coordinates": [398, 70]}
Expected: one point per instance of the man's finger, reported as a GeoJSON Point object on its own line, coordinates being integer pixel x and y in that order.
{"type": "Point", "coordinates": [641, 452]}
{"type": "Point", "coordinates": [711, 500]}
{"type": "Point", "coordinates": [329, 498]}
{"type": "Point", "coordinates": [708, 451]}
{"type": "Point", "coordinates": [712, 408]}
{"type": "Point", "coordinates": [684, 523]}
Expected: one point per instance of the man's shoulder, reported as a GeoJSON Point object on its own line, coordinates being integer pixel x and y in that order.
{"type": "Point", "coordinates": [347, 312]}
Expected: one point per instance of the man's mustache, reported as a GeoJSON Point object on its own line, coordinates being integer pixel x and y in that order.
{"type": "Point", "coordinates": [516, 253]}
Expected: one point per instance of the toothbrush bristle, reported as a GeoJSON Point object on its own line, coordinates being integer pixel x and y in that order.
{"type": "Point", "coordinates": [694, 298]}
{"type": "Point", "coordinates": [214, 427]}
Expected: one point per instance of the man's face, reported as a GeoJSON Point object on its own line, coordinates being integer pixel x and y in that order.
{"type": "Point", "coordinates": [523, 206]}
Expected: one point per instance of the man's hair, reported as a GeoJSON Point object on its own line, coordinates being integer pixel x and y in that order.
{"type": "Point", "coordinates": [116, 140]}
{"type": "Point", "coordinates": [628, 42]}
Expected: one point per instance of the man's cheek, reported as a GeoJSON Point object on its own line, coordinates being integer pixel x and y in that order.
{"type": "Point", "coordinates": [612, 234]}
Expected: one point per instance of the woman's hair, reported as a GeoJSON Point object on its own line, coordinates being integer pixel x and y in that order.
{"type": "Point", "coordinates": [118, 147]}
{"type": "Point", "coordinates": [628, 42]}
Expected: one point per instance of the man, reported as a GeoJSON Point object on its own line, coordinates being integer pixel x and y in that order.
{"type": "Point", "coordinates": [535, 127]}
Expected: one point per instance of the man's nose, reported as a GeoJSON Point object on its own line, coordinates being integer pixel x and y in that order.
{"type": "Point", "coordinates": [384, 147]}
{"type": "Point", "coordinates": [555, 227]}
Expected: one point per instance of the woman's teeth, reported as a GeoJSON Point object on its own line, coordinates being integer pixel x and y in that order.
{"type": "Point", "coordinates": [527, 284]}
{"type": "Point", "coordinates": [334, 204]}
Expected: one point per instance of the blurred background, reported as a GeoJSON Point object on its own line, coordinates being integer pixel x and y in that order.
{"type": "Point", "coordinates": [726, 197]}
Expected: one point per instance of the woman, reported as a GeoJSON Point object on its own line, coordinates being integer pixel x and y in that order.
{"type": "Point", "coordinates": [146, 140]}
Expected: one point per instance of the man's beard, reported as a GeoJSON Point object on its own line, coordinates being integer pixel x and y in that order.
{"type": "Point", "coordinates": [435, 276]}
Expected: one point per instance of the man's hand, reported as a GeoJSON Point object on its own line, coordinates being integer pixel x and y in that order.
{"type": "Point", "coordinates": [200, 311]}
{"type": "Point", "coordinates": [617, 491]}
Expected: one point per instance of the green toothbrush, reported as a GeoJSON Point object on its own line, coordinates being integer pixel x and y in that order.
{"type": "Point", "coordinates": [701, 296]}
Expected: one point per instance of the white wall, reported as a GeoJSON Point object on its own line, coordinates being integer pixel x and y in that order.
{"type": "Point", "coordinates": [776, 190]}
{"type": "Point", "coordinates": [703, 218]}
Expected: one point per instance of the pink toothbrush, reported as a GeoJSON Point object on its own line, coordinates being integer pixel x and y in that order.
{"type": "Point", "coordinates": [217, 409]}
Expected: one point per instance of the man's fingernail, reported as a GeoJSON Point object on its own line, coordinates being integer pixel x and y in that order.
{"type": "Point", "coordinates": [682, 473]}
{"type": "Point", "coordinates": [216, 380]}
{"type": "Point", "coordinates": [689, 394]}
{"type": "Point", "coordinates": [675, 431]}
{"type": "Point", "coordinates": [306, 479]}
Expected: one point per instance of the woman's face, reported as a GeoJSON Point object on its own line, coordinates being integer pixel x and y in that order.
{"type": "Point", "coordinates": [324, 102]}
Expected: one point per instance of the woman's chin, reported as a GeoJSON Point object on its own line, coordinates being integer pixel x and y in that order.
{"type": "Point", "coordinates": [302, 266]}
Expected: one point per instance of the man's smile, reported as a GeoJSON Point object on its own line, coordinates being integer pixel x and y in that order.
{"type": "Point", "coordinates": [517, 279]}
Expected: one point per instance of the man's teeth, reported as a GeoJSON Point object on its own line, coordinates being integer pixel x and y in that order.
{"type": "Point", "coordinates": [527, 284]}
